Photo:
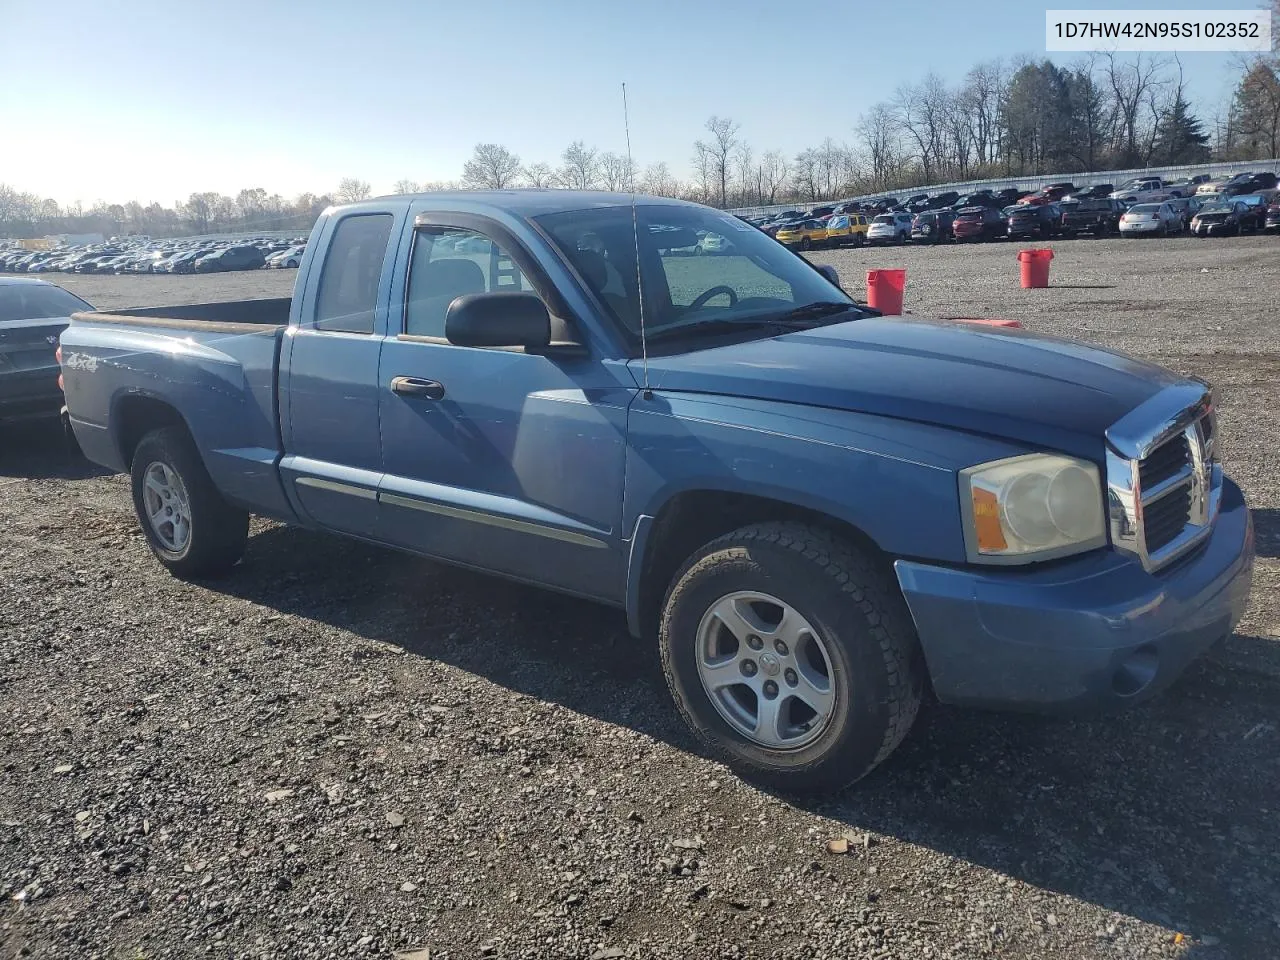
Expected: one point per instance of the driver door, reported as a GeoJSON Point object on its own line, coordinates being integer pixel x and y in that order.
{"type": "Point", "coordinates": [493, 457]}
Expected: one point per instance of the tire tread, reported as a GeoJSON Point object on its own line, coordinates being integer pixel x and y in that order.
{"type": "Point", "coordinates": [863, 583]}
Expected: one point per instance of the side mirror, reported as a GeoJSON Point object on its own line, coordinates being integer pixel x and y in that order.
{"type": "Point", "coordinates": [516, 319]}
{"type": "Point", "coordinates": [829, 272]}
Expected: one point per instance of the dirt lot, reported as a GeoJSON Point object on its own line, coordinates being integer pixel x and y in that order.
{"type": "Point", "coordinates": [341, 751]}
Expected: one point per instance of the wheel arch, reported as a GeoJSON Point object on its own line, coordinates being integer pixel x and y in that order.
{"type": "Point", "coordinates": [690, 519]}
{"type": "Point", "coordinates": [134, 415]}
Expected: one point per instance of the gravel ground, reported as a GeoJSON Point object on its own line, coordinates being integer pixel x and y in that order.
{"type": "Point", "coordinates": [343, 751]}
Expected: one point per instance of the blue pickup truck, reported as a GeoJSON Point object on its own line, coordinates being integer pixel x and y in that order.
{"type": "Point", "coordinates": [817, 512]}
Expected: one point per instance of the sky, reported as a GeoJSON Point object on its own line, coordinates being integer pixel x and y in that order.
{"type": "Point", "coordinates": [154, 100]}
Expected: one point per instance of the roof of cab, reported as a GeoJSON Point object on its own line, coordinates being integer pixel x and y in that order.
{"type": "Point", "coordinates": [526, 202]}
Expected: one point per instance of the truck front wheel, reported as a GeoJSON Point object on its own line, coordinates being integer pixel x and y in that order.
{"type": "Point", "coordinates": [191, 529]}
{"type": "Point", "coordinates": [791, 655]}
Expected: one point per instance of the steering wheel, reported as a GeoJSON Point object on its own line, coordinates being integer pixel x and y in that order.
{"type": "Point", "coordinates": [701, 299]}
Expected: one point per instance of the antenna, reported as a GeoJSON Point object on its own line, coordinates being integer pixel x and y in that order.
{"type": "Point", "coordinates": [635, 235]}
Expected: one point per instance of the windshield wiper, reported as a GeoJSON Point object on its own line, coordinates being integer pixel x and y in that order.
{"type": "Point", "coordinates": [801, 318]}
{"type": "Point", "coordinates": [823, 308]}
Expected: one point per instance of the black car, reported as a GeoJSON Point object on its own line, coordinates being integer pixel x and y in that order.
{"type": "Point", "coordinates": [821, 212]}
{"type": "Point", "coordinates": [1249, 183]}
{"type": "Point", "coordinates": [1100, 217]}
{"type": "Point", "coordinates": [1272, 221]}
{"type": "Point", "coordinates": [1009, 195]}
{"type": "Point", "coordinates": [231, 258]}
{"type": "Point", "coordinates": [933, 226]}
{"type": "Point", "coordinates": [979, 198]}
{"type": "Point", "coordinates": [978, 223]}
{"type": "Point", "coordinates": [1035, 220]}
{"type": "Point", "coordinates": [33, 314]}
{"type": "Point", "coordinates": [940, 200]}
{"type": "Point", "coordinates": [1099, 191]}
{"type": "Point", "coordinates": [1226, 218]}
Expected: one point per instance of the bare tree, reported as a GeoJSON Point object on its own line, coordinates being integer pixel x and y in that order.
{"type": "Point", "coordinates": [405, 186]}
{"type": "Point", "coordinates": [716, 151]}
{"type": "Point", "coordinates": [920, 113]}
{"type": "Point", "coordinates": [8, 202]}
{"type": "Point", "coordinates": [491, 167]}
{"type": "Point", "coordinates": [805, 174]}
{"type": "Point", "coordinates": [658, 181]}
{"type": "Point", "coordinates": [539, 175]}
{"type": "Point", "coordinates": [579, 167]}
{"type": "Point", "coordinates": [1131, 87]}
{"type": "Point", "coordinates": [350, 189]}
{"type": "Point", "coordinates": [879, 133]}
{"type": "Point", "coordinates": [704, 173]}
{"type": "Point", "coordinates": [615, 171]}
{"type": "Point", "coordinates": [748, 182]}
{"type": "Point", "coordinates": [773, 174]}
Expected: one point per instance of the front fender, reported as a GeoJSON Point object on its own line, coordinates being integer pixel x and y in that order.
{"type": "Point", "coordinates": [894, 480]}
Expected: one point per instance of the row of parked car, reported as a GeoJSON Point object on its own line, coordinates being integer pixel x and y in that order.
{"type": "Point", "coordinates": [1241, 203]}
{"type": "Point", "coordinates": [142, 255]}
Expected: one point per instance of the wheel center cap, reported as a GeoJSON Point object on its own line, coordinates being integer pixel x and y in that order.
{"type": "Point", "coordinates": [769, 664]}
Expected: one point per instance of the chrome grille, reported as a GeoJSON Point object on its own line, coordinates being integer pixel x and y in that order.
{"type": "Point", "coordinates": [1163, 483]}
{"type": "Point", "coordinates": [1163, 520]}
{"type": "Point", "coordinates": [1168, 461]}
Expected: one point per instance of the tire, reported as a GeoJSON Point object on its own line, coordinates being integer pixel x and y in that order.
{"type": "Point", "coordinates": [805, 243]}
{"type": "Point", "coordinates": [216, 531]}
{"type": "Point", "coordinates": [874, 666]}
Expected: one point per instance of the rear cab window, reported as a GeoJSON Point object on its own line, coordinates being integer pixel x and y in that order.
{"type": "Point", "coordinates": [348, 292]}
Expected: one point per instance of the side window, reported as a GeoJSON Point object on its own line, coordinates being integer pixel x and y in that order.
{"type": "Point", "coordinates": [447, 263]}
{"type": "Point", "coordinates": [349, 277]}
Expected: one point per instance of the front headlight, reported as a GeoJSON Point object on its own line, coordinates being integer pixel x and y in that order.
{"type": "Point", "coordinates": [1034, 507]}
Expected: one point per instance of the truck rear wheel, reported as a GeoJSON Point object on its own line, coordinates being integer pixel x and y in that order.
{"type": "Point", "coordinates": [791, 656]}
{"type": "Point", "coordinates": [191, 529]}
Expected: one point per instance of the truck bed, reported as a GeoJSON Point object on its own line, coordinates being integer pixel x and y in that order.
{"type": "Point", "coordinates": [229, 316]}
{"type": "Point", "coordinates": [212, 364]}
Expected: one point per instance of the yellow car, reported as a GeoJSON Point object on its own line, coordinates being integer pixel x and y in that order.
{"type": "Point", "coordinates": [847, 228]}
{"type": "Point", "coordinates": [803, 234]}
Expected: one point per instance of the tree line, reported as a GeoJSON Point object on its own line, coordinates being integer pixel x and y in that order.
{"type": "Point", "coordinates": [1013, 118]}
{"type": "Point", "coordinates": [1004, 119]}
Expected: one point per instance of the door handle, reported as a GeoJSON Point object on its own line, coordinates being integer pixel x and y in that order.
{"type": "Point", "coordinates": [415, 387]}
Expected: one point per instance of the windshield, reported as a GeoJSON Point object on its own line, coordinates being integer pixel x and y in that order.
{"type": "Point", "coordinates": [883, 218]}
{"type": "Point", "coordinates": [31, 301]}
{"type": "Point", "coordinates": [1217, 208]}
{"type": "Point", "coordinates": [756, 279]}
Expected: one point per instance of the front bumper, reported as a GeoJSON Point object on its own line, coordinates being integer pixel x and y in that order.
{"type": "Point", "coordinates": [1094, 632]}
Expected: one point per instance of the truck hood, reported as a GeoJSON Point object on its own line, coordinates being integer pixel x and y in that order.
{"type": "Point", "coordinates": [1000, 382]}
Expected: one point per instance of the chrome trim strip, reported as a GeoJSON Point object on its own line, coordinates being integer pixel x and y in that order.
{"type": "Point", "coordinates": [1166, 487]}
{"type": "Point", "coordinates": [506, 523]}
{"type": "Point", "coordinates": [364, 493]}
{"type": "Point", "coordinates": [1158, 418]}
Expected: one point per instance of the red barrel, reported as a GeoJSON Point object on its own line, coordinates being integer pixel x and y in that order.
{"type": "Point", "coordinates": [1035, 267]}
{"type": "Point", "coordinates": [884, 291]}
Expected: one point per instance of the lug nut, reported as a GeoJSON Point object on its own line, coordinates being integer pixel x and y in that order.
{"type": "Point", "coordinates": [790, 676]}
{"type": "Point", "coordinates": [770, 689]}
{"type": "Point", "coordinates": [780, 647]}
{"type": "Point", "coordinates": [749, 668]}
{"type": "Point", "coordinates": [754, 642]}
